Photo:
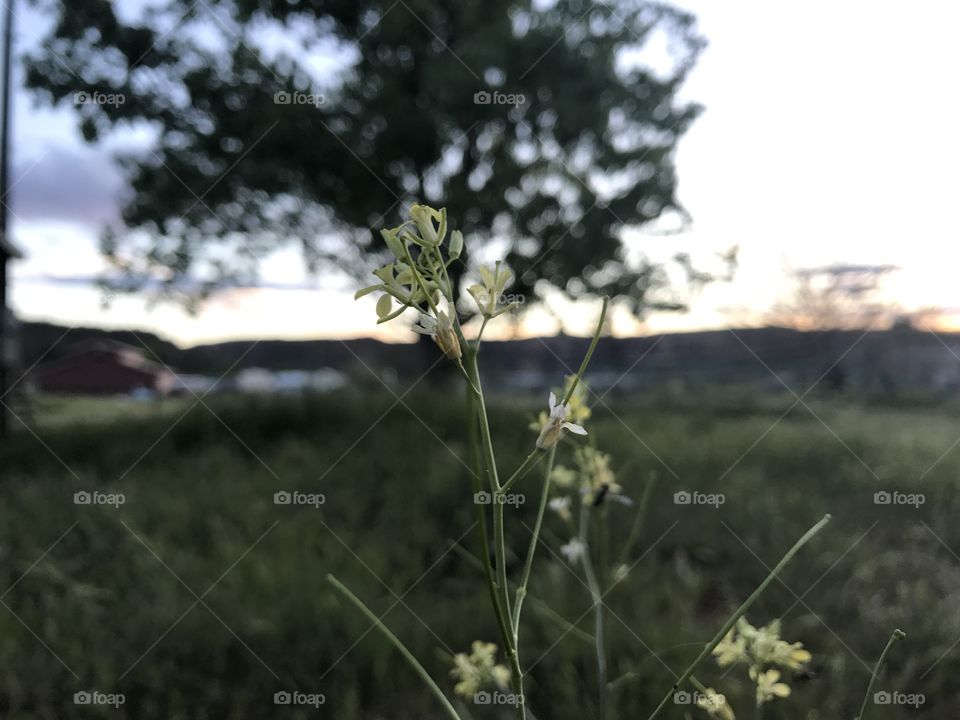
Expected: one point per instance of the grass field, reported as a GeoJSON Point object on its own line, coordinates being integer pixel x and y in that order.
{"type": "Point", "coordinates": [199, 597]}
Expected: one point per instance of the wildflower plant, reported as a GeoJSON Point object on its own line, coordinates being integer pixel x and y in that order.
{"type": "Point", "coordinates": [764, 653]}
{"type": "Point", "coordinates": [418, 280]}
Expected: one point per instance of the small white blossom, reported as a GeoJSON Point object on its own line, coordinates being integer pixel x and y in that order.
{"type": "Point", "coordinates": [442, 331]}
{"type": "Point", "coordinates": [561, 506]}
{"type": "Point", "coordinates": [556, 422]}
{"type": "Point", "coordinates": [573, 550]}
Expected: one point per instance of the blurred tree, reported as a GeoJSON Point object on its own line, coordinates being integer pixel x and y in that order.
{"type": "Point", "coordinates": [547, 126]}
{"type": "Point", "coordinates": [835, 297]}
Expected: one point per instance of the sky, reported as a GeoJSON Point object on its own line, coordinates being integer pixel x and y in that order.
{"type": "Point", "coordinates": [829, 136]}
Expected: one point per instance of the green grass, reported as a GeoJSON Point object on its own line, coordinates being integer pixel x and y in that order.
{"type": "Point", "coordinates": [116, 598]}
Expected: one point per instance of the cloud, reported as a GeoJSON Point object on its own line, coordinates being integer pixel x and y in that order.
{"type": "Point", "coordinates": [78, 185]}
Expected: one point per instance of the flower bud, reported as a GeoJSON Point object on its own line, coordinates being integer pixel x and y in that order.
{"type": "Point", "coordinates": [394, 244]}
{"type": "Point", "coordinates": [456, 244]}
{"type": "Point", "coordinates": [447, 340]}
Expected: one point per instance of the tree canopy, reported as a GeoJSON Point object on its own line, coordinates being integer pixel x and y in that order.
{"type": "Point", "coordinates": [543, 126]}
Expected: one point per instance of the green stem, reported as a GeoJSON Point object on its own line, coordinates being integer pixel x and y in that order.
{"type": "Point", "coordinates": [524, 468]}
{"type": "Point", "coordinates": [739, 613]}
{"type": "Point", "coordinates": [598, 627]}
{"type": "Point", "coordinates": [531, 551]}
{"type": "Point", "coordinates": [637, 523]}
{"type": "Point", "coordinates": [897, 635]}
{"type": "Point", "coordinates": [538, 604]}
{"type": "Point", "coordinates": [482, 531]}
{"type": "Point", "coordinates": [504, 617]}
{"type": "Point", "coordinates": [586, 358]}
{"type": "Point", "coordinates": [420, 282]}
{"type": "Point", "coordinates": [407, 655]}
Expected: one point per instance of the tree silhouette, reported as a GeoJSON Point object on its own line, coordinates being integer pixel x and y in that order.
{"type": "Point", "coordinates": [288, 121]}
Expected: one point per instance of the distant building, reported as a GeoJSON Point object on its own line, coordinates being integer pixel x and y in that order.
{"type": "Point", "coordinates": [104, 367]}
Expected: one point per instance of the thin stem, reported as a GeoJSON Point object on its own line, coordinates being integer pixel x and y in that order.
{"type": "Point", "coordinates": [807, 536]}
{"type": "Point", "coordinates": [482, 531]}
{"type": "Point", "coordinates": [502, 608]}
{"type": "Point", "coordinates": [521, 471]}
{"type": "Point", "coordinates": [586, 358]}
{"type": "Point", "coordinates": [896, 635]}
{"type": "Point", "coordinates": [637, 523]}
{"type": "Point", "coordinates": [598, 626]}
{"type": "Point", "coordinates": [407, 655]}
{"type": "Point", "coordinates": [534, 540]}
{"type": "Point", "coordinates": [420, 282]}
{"type": "Point", "coordinates": [537, 603]}
{"type": "Point", "coordinates": [483, 326]}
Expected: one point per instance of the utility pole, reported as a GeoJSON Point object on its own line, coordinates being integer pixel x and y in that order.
{"type": "Point", "coordinates": [6, 247]}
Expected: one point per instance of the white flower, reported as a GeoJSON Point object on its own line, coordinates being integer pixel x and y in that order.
{"type": "Point", "coordinates": [427, 325]}
{"type": "Point", "coordinates": [561, 506]}
{"type": "Point", "coordinates": [556, 422]}
{"type": "Point", "coordinates": [573, 550]}
{"type": "Point", "coordinates": [442, 332]}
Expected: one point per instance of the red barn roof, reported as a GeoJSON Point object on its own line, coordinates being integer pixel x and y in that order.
{"type": "Point", "coordinates": [103, 367]}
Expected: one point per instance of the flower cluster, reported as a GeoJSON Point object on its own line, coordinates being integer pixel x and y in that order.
{"type": "Point", "coordinates": [489, 290]}
{"type": "Point", "coordinates": [592, 476]}
{"type": "Point", "coordinates": [763, 651]}
{"type": "Point", "coordinates": [478, 670]}
{"type": "Point", "coordinates": [418, 278]}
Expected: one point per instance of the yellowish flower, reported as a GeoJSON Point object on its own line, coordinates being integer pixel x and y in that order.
{"type": "Point", "coordinates": [478, 670]}
{"type": "Point", "coordinates": [488, 292]}
{"type": "Point", "coordinates": [424, 217]}
{"type": "Point", "coordinates": [596, 473]}
{"type": "Point", "coordinates": [769, 685]}
{"type": "Point", "coordinates": [760, 647]}
{"type": "Point", "coordinates": [730, 650]}
{"type": "Point", "coordinates": [563, 476]}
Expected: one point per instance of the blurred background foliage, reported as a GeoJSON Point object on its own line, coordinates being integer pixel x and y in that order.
{"type": "Point", "coordinates": [199, 500]}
